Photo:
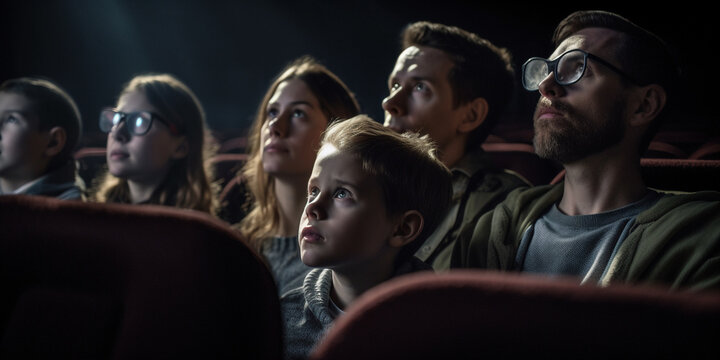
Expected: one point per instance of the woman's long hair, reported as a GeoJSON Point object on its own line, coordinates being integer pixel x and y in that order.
{"type": "Point", "coordinates": [188, 183]}
{"type": "Point", "coordinates": [336, 102]}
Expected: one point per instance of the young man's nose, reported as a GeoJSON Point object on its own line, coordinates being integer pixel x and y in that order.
{"type": "Point", "coordinates": [395, 103]}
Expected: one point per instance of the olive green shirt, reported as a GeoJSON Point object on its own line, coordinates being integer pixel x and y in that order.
{"type": "Point", "coordinates": [477, 187]}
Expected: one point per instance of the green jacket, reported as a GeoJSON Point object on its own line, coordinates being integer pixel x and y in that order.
{"type": "Point", "coordinates": [478, 186]}
{"type": "Point", "coordinates": [675, 243]}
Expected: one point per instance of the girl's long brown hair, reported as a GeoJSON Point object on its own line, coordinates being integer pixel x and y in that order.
{"type": "Point", "coordinates": [188, 183]}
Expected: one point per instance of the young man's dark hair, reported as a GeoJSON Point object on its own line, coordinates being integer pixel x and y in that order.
{"type": "Point", "coordinates": [454, 86]}
{"type": "Point", "coordinates": [480, 70]}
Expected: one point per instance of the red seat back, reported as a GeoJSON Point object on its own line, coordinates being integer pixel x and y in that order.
{"type": "Point", "coordinates": [521, 158]}
{"type": "Point", "coordinates": [676, 174]}
{"type": "Point", "coordinates": [86, 280]}
{"type": "Point", "coordinates": [472, 314]}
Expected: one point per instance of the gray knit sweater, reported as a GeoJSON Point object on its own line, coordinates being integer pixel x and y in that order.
{"type": "Point", "coordinates": [307, 311]}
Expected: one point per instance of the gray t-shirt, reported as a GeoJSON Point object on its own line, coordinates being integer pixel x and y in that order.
{"type": "Point", "coordinates": [583, 245]}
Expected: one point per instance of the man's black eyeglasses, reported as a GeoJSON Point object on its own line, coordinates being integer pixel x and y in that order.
{"type": "Point", "coordinates": [568, 68]}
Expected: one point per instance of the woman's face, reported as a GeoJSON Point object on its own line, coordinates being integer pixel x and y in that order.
{"type": "Point", "coordinates": [291, 133]}
{"type": "Point", "coordinates": [142, 158]}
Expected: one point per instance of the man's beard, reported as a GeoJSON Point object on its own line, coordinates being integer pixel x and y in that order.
{"type": "Point", "coordinates": [576, 136]}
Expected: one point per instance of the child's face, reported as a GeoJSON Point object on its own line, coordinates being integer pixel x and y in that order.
{"type": "Point", "coordinates": [345, 222]}
{"type": "Point", "coordinates": [21, 144]}
{"type": "Point", "coordinates": [292, 130]}
{"type": "Point", "coordinates": [145, 156]}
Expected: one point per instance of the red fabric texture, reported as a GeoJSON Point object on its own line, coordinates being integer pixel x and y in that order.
{"type": "Point", "coordinates": [475, 314]}
{"type": "Point", "coordinates": [85, 280]}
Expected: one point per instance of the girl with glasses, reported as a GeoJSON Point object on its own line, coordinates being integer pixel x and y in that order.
{"type": "Point", "coordinates": [157, 147]}
{"type": "Point", "coordinates": [297, 108]}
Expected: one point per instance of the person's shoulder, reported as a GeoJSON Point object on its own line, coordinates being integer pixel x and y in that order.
{"type": "Point", "coordinates": [677, 206]}
{"type": "Point", "coordinates": [674, 200]}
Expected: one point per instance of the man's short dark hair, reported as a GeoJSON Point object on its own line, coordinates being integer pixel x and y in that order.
{"type": "Point", "coordinates": [481, 69]}
{"type": "Point", "coordinates": [53, 107]}
{"type": "Point", "coordinates": [642, 55]}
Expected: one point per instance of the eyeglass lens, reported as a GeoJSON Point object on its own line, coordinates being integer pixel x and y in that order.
{"type": "Point", "coordinates": [568, 68]}
{"type": "Point", "coordinates": [137, 123]}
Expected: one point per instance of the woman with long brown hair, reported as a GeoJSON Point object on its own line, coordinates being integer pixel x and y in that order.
{"type": "Point", "coordinates": [297, 108]}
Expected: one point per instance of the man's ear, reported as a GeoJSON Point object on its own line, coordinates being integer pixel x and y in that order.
{"type": "Point", "coordinates": [408, 228]}
{"type": "Point", "coordinates": [477, 111]}
{"type": "Point", "coordinates": [57, 137]}
{"type": "Point", "coordinates": [182, 149]}
{"type": "Point", "coordinates": [651, 101]}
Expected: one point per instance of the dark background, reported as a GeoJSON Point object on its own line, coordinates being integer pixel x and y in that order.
{"type": "Point", "coordinates": [229, 51]}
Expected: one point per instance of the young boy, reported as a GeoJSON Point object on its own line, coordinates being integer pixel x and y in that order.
{"type": "Point", "coordinates": [39, 128]}
{"type": "Point", "coordinates": [366, 214]}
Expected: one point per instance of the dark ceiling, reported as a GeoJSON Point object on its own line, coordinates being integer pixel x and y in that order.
{"type": "Point", "coordinates": [228, 51]}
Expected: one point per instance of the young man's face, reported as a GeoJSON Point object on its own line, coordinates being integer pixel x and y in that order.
{"type": "Point", "coordinates": [574, 121]}
{"type": "Point", "coordinates": [421, 98]}
{"type": "Point", "coordinates": [292, 130]}
{"type": "Point", "coordinates": [345, 223]}
{"type": "Point", "coordinates": [145, 157]}
{"type": "Point", "coordinates": [21, 143]}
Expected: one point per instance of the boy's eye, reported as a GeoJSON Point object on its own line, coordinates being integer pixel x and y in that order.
{"type": "Point", "coordinates": [8, 119]}
{"type": "Point", "coordinates": [272, 113]}
{"type": "Point", "coordinates": [420, 87]}
{"type": "Point", "coordinates": [313, 192]}
{"type": "Point", "coordinates": [341, 193]}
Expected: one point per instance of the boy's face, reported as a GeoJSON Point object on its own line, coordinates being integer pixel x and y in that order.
{"type": "Point", "coordinates": [345, 222]}
{"type": "Point", "coordinates": [21, 144]}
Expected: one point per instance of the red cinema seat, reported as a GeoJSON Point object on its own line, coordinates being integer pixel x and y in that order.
{"type": "Point", "coordinates": [522, 159]}
{"type": "Point", "coordinates": [472, 314]}
{"type": "Point", "coordinates": [686, 175]}
{"type": "Point", "coordinates": [91, 162]}
{"type": "Point", "coordinates": [108, 281]}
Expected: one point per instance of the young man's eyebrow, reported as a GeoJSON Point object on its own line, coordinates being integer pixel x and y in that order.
{"type": "Point", "coordinates": [414, 78]}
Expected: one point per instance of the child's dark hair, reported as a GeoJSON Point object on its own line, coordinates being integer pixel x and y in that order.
{"type": "Point", "coordinates": [53, 107]}
{"type": "Point", "coordinates": [406, 165]}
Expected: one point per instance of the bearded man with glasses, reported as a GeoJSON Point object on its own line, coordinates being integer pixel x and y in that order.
{"type": "Point", "coordinates": [603, 94]}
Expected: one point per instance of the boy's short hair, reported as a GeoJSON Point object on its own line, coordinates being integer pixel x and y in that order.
{"type": "Point", "coordinates": [53, 107]}
{"type": "Point", "coordinates": [405, 165]}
